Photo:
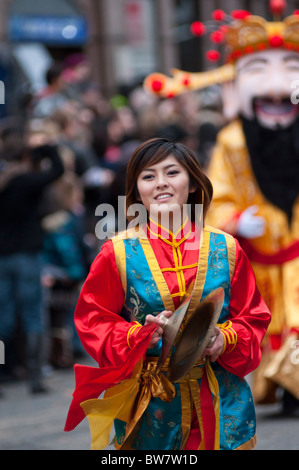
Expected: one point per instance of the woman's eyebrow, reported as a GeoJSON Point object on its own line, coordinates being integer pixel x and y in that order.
{"type": "Point", "coordinates": [164, 168]}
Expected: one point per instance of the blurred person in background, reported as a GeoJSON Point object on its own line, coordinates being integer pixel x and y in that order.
{"type": "Point", "coordinates": [77, 75]}
{"type": "Point", "coordinates": [67, 255]}
{"type": "Point", "coordinates": [26, 170]}
{"type": "Point", "coordinates": [52, 96]}
{"type": "Point", "coordinates": [76, 136]}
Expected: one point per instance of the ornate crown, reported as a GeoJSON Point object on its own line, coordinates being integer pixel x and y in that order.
{"type": "Point", "coordinates": [242, 34]}
{"type": "Point", "coordinates": [254, 34]}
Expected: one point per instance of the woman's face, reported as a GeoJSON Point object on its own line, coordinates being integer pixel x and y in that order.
{"type": "Point", "coordinates": [164, 186]}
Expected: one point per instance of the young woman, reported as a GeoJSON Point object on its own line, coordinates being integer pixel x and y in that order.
{"type": "Point", "coordinates": [144, 273]}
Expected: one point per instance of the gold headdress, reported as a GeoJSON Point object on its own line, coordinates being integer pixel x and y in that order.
{"type": "Point", "coordinates": [242, 34]}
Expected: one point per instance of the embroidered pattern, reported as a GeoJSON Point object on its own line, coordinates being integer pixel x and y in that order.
{"type": "Point", "coordinates": [217, 255]}
{"type": "Point", "coordinates": [137, 307]}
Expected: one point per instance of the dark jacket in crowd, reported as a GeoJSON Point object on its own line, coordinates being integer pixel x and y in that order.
{"type": "Point", "coordinates": [20, 200]}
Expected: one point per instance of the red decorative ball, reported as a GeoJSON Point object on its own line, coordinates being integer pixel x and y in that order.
{"type": "Point", "coordinates": [186, 81]}
{"type": "Point", "coordinates": [296, 12]}
{"type": "Point", "coordinates": [218, 15]}
{"type": "Point", "coordinates": [198, 28]}
{"type": "Point", "coordinates": [289, 46]}
{"type": "Point", "coordinates": [213, 55]}
{"type": "Point", "coordinates": [277, 7]}
{"type": "Point", "coordinates": [237, 54]}
{"type": "Point", "coordinates": [261, 46]}
{"type": "Point", "coordinates": [240, 14]}
{"type": "Point", "coordinates": [276, 41]}
{"type": "Point", "coordinates": [216, 36]}
{"type": "Point", "coordinates": [248, 49]}
{"type": "Point", "coordinates": [157, 85]}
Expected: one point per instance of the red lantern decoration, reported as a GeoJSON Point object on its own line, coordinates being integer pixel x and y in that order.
{"type": "Point", "coordinates": [240, 14]}
{"type": "Point", "coordinates": [237, 54]}
{"type": "Point", "coordinates": [213, 55]}
{"type": "Point", "coordinates": [198, 28]}
{"type": "Point", "coordinates": [261, 46]}
{"type": "Point", "coordinates": [276, 41]}
{"type": "Point", "coordinates": [218, 15]}
{"type": "Point", "coordinates": [216, 36]}
{"type": "Point", "coordinates": [277, 7]}
{"type": "Point", "coordinates": [248, 49]}
{"type": "Point", "coordinates": [289, 46]}
{"type": "Point", "coordinates": [186, 81]}
{"type": "Point", "coordinates": [157, 85]}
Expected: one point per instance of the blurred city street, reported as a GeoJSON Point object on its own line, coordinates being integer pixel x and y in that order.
{"type": "Point", "coordinates": [35, 422]}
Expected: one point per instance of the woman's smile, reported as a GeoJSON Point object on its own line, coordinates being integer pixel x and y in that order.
{"type": "Point", "coordinates": [163, 196]}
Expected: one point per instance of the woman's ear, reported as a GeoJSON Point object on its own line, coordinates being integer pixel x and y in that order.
{"type": "Point", "coordinates": [192, 188]}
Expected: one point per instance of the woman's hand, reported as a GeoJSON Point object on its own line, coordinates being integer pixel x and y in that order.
{"type": "Point", "coordinates": [216, 349]}
{"type": "Point", "coordinates": [159, 320]}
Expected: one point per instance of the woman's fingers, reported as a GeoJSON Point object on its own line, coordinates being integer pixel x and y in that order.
{"type": "Point", "coordinates": [216, 348]}
{"type": "Point", "coordinates": [160, 321]}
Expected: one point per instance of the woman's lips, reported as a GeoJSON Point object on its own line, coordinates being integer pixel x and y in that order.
{"type": "Point", "coordinates": [162, 197]}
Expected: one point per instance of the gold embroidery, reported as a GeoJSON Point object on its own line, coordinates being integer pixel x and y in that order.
{"type": "Point", "coordinates": [229, 336]}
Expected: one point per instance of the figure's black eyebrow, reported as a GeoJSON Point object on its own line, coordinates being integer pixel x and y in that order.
{"type": "Point", "coordinates": [256, 60]}
{"type": "Point", "coordinates": [291, 57]}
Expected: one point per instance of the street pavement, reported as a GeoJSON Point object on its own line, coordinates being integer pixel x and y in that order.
{"type": "Point", "coordinates": [36, 422]}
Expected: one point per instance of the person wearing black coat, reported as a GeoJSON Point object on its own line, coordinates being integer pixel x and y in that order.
{"type": "Point", "coordinates": [24, 175]}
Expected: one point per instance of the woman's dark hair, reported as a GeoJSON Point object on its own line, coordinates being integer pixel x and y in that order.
{"type": "Point", "coordinates": [157, 149]}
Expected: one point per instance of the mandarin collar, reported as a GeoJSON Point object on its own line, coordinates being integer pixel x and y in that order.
{"type": "Point", "coordinates": [157, 230]}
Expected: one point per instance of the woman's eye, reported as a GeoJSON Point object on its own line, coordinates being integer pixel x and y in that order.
{"type": "Point", "coordinates": [147, 177]}
{"type": "Point", "coordinates": [173, 172]}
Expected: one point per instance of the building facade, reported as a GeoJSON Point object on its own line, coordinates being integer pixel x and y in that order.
{"type": "Point", "coordinates": [124, 39]}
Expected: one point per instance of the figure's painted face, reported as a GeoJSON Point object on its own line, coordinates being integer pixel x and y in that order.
{"type": "Point", "coordinates": [264, 88]}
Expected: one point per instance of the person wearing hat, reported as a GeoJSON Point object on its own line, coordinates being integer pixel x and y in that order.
{"type": "Point", "coordinates": [255, 171]}
{"type": "Point", "coordinates": [140, 277]}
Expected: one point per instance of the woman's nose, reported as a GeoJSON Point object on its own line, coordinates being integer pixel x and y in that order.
{"type": "Point", "coordinates": [161, 181]}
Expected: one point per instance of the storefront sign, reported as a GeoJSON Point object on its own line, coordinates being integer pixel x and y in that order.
{"type": "Point", "coordinates": [48, 29]}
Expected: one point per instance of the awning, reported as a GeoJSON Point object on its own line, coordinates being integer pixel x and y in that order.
{"type": "Point", "coordinates": [57, 22]}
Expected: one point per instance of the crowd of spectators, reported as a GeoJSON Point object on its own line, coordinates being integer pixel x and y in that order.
{"type": "Point", "coordinates": [65, 156]}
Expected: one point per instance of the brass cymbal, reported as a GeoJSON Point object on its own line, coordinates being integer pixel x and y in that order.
{"type": "Point", "coordinates": [171, 328]}
{"type": "Point", "coordinates": [196, 335]}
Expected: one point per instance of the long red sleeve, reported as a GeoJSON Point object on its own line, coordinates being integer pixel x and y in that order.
{"type": "Point", "coordinates": [102, 330]}
{"type": "Point", "coordinates": [249, 316]}
{"type": "Point", "coordinates": [103, 333]}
